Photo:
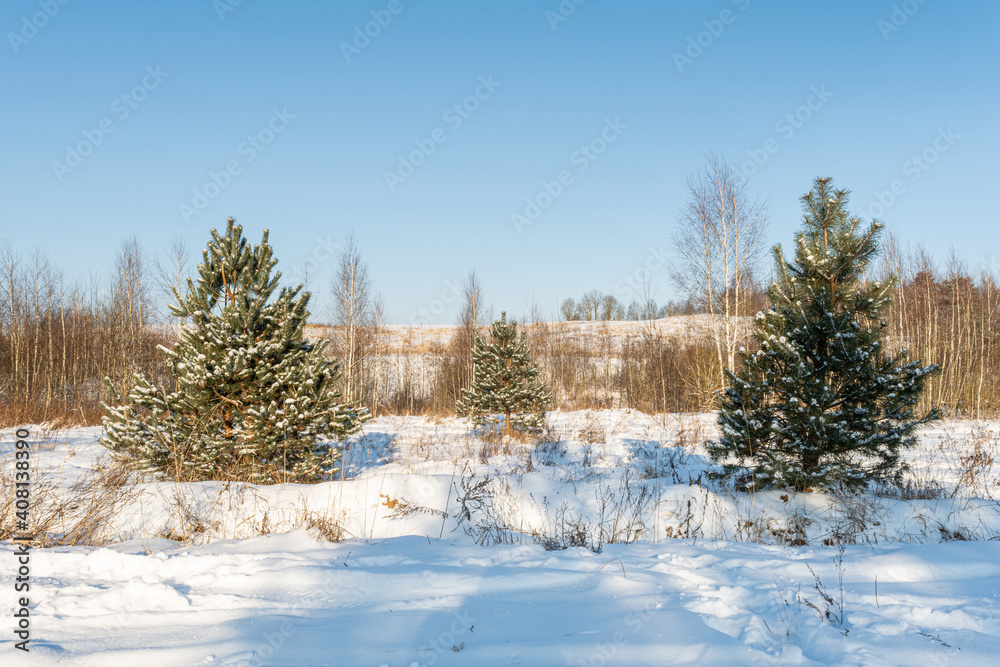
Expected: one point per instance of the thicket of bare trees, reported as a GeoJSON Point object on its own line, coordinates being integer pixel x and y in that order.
{"type": "Point", "coordinates": [58, 341]}
{"type": "Point", "coordinates": [643, 368]}
{"type": "Point", "coordinates": [357, 333]}
{"type": "Point", "coordinates": [455, 369]}
{"type": "Point", "coordinates": [950, 316]}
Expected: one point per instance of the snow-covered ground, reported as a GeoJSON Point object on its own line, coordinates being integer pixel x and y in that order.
{"type": "Point", "coordinates": [600, 545]}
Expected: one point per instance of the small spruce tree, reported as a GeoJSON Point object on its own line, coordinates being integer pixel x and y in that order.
{"type": "Point", "coordinates": [253, 399]}
{"type": "Point", "coordinates": [821, 402]}
{"type": "Point", "coordinates": [506, 384]}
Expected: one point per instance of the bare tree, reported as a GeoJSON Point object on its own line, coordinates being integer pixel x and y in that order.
{"type": "Point", "coordinates": [469, 318]}
{"type": "Point", "coordinates": [454, 370]}
{"type": "Point", "coordinates": [170, 272]}
{"type": "Point", "coordinates": [472, 292]}
{"type": "Point", "coordinates": [611, 309]}
{"type": "Point", "coordinates": [719, 239]}
{"type": "Point", "coordinates": [463, 341]}
{"type": "Point", "coordinates": [354, 319]}
{"type": "Point", "coordinates": [568, 309]}
{"type": "Point", "coordinates": [379, 352]}
{"type": "Point", "coordinates": [126, 312]}
{"type": "Point", "coordinates": [589, 306]}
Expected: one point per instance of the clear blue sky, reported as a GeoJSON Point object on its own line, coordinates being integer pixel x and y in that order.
{"type": "Point", "coordinates": [889, 95]}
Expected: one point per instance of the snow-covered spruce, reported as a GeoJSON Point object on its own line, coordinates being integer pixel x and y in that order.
{"type": "Point", "coordinates": [506, 385]}
{"type": "Point", "coordinates": [253, 400]}
{"type": "Point", "coordinates": [821, 402]}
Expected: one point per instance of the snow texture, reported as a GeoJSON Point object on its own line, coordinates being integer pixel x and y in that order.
{"type": "Point", "coordinates": [411, 586]}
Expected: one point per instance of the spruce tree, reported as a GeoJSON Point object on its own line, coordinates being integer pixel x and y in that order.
{"type": "Point", "coordinates": [253, 400]}
{"type": "Point", "coordinates": [821, 402]}
{"type": "Point", "coordinates": [506, 384]}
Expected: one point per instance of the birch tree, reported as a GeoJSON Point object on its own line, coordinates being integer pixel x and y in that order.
{"type": "Point", "coordinates": [718, 239]}
{"type": "Point", "coordinates": [355, 320]}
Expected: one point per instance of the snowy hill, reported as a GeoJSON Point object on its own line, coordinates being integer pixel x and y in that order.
{"type": "Point", "coordinates": [404, 337]}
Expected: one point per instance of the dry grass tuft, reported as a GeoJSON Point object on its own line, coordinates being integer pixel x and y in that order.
{"type": "Point", "coordinates": [78, 516]}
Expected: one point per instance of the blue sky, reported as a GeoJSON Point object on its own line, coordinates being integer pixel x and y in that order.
{"type": "Point", "coordinates": [309, 128]}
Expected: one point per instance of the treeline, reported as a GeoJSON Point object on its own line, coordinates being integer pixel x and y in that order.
{"type": "Point", "coordinates": [60, 339]}
{"type": "Point", "coordinates": [596, 306]}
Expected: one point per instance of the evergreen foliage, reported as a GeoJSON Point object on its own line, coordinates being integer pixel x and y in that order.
{"type": "Point", "coordinates": [506, 385]}
{"type": "Point", "coordinates": [253, 400]}
{"type": "Point", "coordinates": [821, 402]}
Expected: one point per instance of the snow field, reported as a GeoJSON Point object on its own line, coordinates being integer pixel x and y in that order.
{"type": "Point", "coordinates": [459, 550]}
{"type": "Point", "coordinates": [289, 599]}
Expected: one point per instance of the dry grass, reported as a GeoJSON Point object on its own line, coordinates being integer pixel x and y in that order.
{"type": "Point", "coordinates": [80, 515]}
{"type": "Point", "coordinates": [593, 431]}
{"type": "Point", "coordinates": [654, 491]}
{"type": "Point", "coordinates": [90, 511]}
{"type": "Point", "coordinates": [976, 465]}
{"type": "Point", "coordinates": [239, 510]}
